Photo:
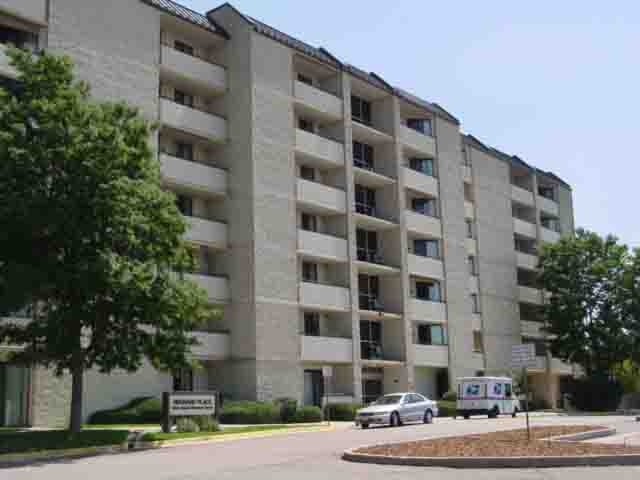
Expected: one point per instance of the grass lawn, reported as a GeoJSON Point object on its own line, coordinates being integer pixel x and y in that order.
{"type": "Point", "coordinates": [122, 426]}
{"type": "Point", "coordinates": [160, 436]}
{"type": "Point", "coordinates": [35, 441]}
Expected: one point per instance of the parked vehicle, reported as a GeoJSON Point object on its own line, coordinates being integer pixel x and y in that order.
{"type": "Point", "coordinates": [397, 408]}
{"type": "Point", "coordinates": [490, 396]}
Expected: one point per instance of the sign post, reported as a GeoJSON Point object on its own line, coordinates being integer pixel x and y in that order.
{"type": "Point", "coordinates": [327, 373]}
{"type": "Point", "coordinates": [523, 356]}
{"type": "Point", "coordinates": [187, 404]}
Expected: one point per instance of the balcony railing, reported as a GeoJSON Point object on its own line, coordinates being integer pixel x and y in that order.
{"type": "Point", "coordinates": [326, 349]}
{"type": "Point", "coordinates": [319, 148]}
{"type": "Point", "coordinates": [200, 69]}
{"type": "Point", "coordinates": [193, 119]}
{"type": "Point", "coordinates": [318, 100]}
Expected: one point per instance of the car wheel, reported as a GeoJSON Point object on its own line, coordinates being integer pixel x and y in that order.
{"type": "Point", "coordinates": [515, 412]}
{"type": "Point", "coordinates": [495, 411]}
{"type": "Point", "coordinates": [364, 426]}
{"type": "Point", "coordinates": [428, 417]}
{"type": "Point", "coordinates": [395, 419]}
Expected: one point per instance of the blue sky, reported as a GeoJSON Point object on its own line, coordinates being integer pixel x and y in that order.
{"type": "Point", "coordinates": [555, 82]}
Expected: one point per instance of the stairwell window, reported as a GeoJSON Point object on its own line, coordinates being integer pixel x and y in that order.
{"type": "Point", "coordinates": [309, 222]}
{"type": "Point", "coordinates": [428, 290]}
{"type": "Point", "coordinates": [422, 125]}
{"type": "Point", "coordinates": [475, 303]}
{"type": "Point", "coordinates": [365, 200]}
{"type": "Point", "coordinates": [426, 248]}
{"type": "Point", "coordinates": [312, 324]}
{"type": "Point", "coordinates": [368, 292]}
{"type": "Point", "coordinates": [310, 272]}
{"type": "Point", "coordinates": [470, 229]}
{"type": "Point", "coordinates": [360, 110]}
{"type": "Point", "coordinates": [422, 165]}
{"type": "Point", "coordinates": [473, 265]}
{"type": "Point", "coordinates": [425, 206]}
{"type": "Point", "coordinates": [478, 343]}
{"type": "Point", "coordinates": [367, 245]}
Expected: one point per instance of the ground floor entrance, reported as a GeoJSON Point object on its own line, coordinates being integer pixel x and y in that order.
{"type": "Point", "coordinates": [14, 395]}
{"type": "Point", "coordinates": [313, 387]}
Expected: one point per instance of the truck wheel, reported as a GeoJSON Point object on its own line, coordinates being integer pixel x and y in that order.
{"type": "Point", "coordinates": [495, 411]}
{"type": "Point", "coordinates": [466, 416]}
{"type": "Point", "coordinates": [515, 412]}
{"type": "Point", "coordinates": [365, 426]}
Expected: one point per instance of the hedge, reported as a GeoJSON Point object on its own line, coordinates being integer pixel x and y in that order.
{"type": "Point", "coordinates": [308, 414]}
{"type": "Point", "coordinates": [341, 412]}
{"type": "Point", "coordinates": [138, 410]}
{"type": "Point", "coordinates": [446, 409]}
{"type": "Point", "coordinates": [246, 412]}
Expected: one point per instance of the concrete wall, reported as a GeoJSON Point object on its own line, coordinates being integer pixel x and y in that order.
{"type": "Point", "coordinates": [496, 259]}
{"type": "Point", "coordinates": [426, 381]}
{"type": "Point", "coordinates": [51, 398]}
{"type": "Point", "coordinates": [565, 203]}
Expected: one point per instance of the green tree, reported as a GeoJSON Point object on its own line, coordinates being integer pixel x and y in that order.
{"type": "Point", "coordinates": [586, 315]}
{"type": "Point", "coordinates": [87, 236]}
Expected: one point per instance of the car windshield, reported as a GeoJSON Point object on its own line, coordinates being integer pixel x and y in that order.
{"type": "Point", "coordinates": [388, 400]}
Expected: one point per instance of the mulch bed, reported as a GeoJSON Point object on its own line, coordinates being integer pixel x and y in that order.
{"type": "Point", "coordinates": [511, 443]}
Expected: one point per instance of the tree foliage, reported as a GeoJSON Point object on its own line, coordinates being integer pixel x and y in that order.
{"type": "Point", "coordinates": [590, 312]}
{"type": "Point", "coordinates": [87, 236]}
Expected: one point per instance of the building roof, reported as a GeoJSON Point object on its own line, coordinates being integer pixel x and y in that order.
{"type": "Point", "coordinates": [323, 55]}
{"type": "Point", "coordinates": [191, 16]}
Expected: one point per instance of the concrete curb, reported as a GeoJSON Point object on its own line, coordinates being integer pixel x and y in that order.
{"type": "Point", "coordinates": [506, 462]}
{"type": "Point", "coordinates": [17, 459]}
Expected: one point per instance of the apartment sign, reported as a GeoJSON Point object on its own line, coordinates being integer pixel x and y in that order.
{"type": "Point", "coordinates": [191, 404]}
{"type": "Point", "coordinates": [523, 356]}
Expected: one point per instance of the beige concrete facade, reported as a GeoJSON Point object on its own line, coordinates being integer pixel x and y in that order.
{"type": "Point", "coordinates": [335, 216]}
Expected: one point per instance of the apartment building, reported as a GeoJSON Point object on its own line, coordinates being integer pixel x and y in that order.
{"type": "Point", "coordinates": [338, 220]}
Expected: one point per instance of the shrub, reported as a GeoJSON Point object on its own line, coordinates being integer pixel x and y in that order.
{"type": "Point", "coordinates": [450, 396]}
{"type": "Point", "coordinates": [250, 413]}
{"type": "Point", "coordinates": [595, 394]}
{"type": "Point", "coordinates": [536, 404]}
{"type": "Point", "coordinates": [308, 414]}
{"type": "Point", "coordinates": [187, 425]}
{"type": "Point", "coordinates": [138, 410]}
{"type": "Point", "coordinates": [341, 412]}
{"type": "Point", "coordinates": [446, 408]}
{"type": "Point", "coordinates": [288, 408]}
{"type": "Point", "coordinates": [206, 423]}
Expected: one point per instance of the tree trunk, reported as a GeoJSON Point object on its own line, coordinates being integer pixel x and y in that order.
{"type": "Point", "coordinates": [77, 376]}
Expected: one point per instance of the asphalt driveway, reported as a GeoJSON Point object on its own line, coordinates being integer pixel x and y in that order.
{"type": "Point", "coordinates": [313, 455]}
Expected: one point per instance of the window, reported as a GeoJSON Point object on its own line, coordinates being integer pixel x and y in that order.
{"type": "Point", "coordinates": [363, 155]}
{"type": "Point", "coordinates": [365, 200]}
{"type": "Point", "coordinates": [470, 233]}
{"type": "Point", "coordinates": [185, 205]}
{"type": "Point", "coordinates": [473, 267]}
{"type": "Point", "coordinates": [432, 334]}
{"type": "Point", "coordinates": [478, 346]}
{"type": "Point", "coordinates": [360, 110]}
{"type": "Point", "coordinates": [540, 345]}
{"type": "Point", "coordinates": [308, 173]}
{"type": "Point", "coordinates": [183, 98]}
{"type": "Point", "coordinates": [507, 390]}
{"type": "Point", "coordinates": [427, 248]}
{"type": "Point", "coordinates": [312, 324]}
{"type": "Point", "coordinates": [305, 79]}
{"type": "Point", "coordinates": [531, 313]}
{"type": "Point", "coordinates": [475, 303]}
{"type": "Point", "coordinates": [18, 38]}
{"type": "Point", "coordinates": [183, 380]}
{"type": "Point", "coordinates": [423, 165]}
{"type": "Point", "coordinates": [309, 222]}
{"type": "Point", "coordinates": [183, 47]}
{"type": "Point", "coordinates": [422, 125]}
{"type": "Point", "coordinates": [368, 293]}
{"type": "Point", "coordinates": [428, 290]}
{"type": "Point", "coordinates": [309, 272]}
{"type": "Point", "coordinates": [370, 340]}
{"type": "Point", "coordinates": [546, 192]}
{"type": "Point", "coordinates": [367, 243]}
{"type": "Point", "coordinates": [184, 151]}
{"type": "Point", "coordinates": [306, 125]}
{"type": "Point", "coordinates": [468, 193]}
{"type": "Point", "coordinates": [425, 206]}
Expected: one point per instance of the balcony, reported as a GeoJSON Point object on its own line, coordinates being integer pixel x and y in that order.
{"type": "Point", "coordinates": [317, 101]}
{"type": "Point", "coordinates": [369, 218]}
{"type": "Point", "coordinates": [526, 260]}
{"type": "Point", "coordinates": [547, 205]}
{"type": "Point", "coordinates": [425, 266]}
{"type": "Point", "coordinates": [423, 224]}
{"type": "Point", "coordinates": [417, 142]}
{"type": "Point", "coordinates": [196, 122]}
{"type": "Point", "coordinates": [217, 288]}
{"type": "Point", "coordinates": [324, 297]}
{"type": "Point", "coordinates": [420, 182]}
{"type": "Point", "coordinates": [469, 210]}
{"type": "Point", "coordinates": [34, 11]}
{"type": "Point", "coordinates": [193, 176]}
{"type": "Point", "coordinates": [529, 295]}
{"type": "Point", "coordinates": [370, 178]}
{"type": "Point", "coordinates": [531, 329]}
{"type": "Point", "coordinates": [322, 247]}
{"type": "Point", "coordinates": [431, 356]}
{"type": "Point", "coordinates": [524, 228]}
{"type": "Point", "coordinates": [373, 264]}
{"type": "Point", "coordinates": [212, 346]}
{"type": "Point", "coordinates": [193, 69]}
{"type": "Point", "coordinates": [467, 175]}
{"type": "Point", "coordinates": [548, 235]}
{"type": "Point", "coordinates": [426, 310]}
{"type": "Point", "coordinates": [326, 349]}
{"type": "Point", "coordinates": [206, 232]}
{"type": "Point", "coordinates": [321, 151]}
{"type": "Point", "coordinates": [520, 195]}
{"type": "Point", "coordinates": [321, 198]}
{"type": "Point", "coordinates": [369, 134]}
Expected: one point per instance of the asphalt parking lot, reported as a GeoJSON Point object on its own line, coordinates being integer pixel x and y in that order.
{"type": "Point", "coordinates": [316, 455]}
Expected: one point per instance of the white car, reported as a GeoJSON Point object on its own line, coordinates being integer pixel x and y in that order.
{"type": "Point", "coordinates": [397, 408]}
